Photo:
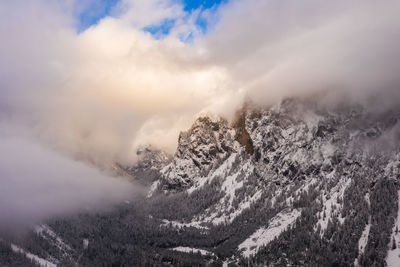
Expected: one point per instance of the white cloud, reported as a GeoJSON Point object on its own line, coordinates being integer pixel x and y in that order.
{"type": "Point", "coordinates": [151, 12]}
{"type": "Point", "coordinates": [99, 92]}
{"type": "Point", "coordinates": [285, 48]}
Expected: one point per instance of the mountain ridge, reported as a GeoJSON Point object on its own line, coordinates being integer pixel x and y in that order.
{"type": "Point", "coordinates": [296, 184]}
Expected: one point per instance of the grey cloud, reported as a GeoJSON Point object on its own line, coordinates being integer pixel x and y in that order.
{"type": "Point", "coordinates": [37, 183]}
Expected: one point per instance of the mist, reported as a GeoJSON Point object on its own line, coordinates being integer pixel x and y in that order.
{"type": "Point", "coordinates": [37, 184]}
{"type": "Point", "coordinates": [277, 49]}
{"type": "Point", "coordinates": [102, 92]}
{"type": "Point", "coordinates": [98, 94]}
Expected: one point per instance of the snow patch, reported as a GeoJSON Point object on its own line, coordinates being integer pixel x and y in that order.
{"type": "Point", "coordinates": [331, 206]}
{"type": "Point", "coordinates": [47, 233]}
{"type": "Point", "coordinates": [193, 250]}
{"type": "Point", "coordinates": [85, 243]}
{"type": "Point", "coordinates": [41, 262]}
{"type": "Point", "coordinates": [263, 236]}
{"type": "Point", "coordinates": [218, 217]}
{"type": "Point", "coordinates": [153, 188]}
{"type": "Point", "coordinates": [393, 256]}
{"type": "Point", "coordinates": [224, 211]}
{"type": "Point", "coordinates": [221, 171]}
{"type": "Point", "coordinates": [362, 243]}
{"type": "Point", "coordinates": [179, 225]}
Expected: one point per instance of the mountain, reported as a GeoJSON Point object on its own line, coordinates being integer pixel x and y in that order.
{"type": "Point", "coordinates": [204, 147]}
{"type": "Point", "coordinates": [296, 184]}
{"type": "Point", "coordinates": [149, 163]}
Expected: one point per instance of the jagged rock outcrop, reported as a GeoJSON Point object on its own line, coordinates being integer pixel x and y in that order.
{"type": "Point", "coordinates": [200, 149]}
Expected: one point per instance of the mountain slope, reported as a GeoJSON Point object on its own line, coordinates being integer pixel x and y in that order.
{"type": "Point", "coordinates": [301, 157]}
{"type": "Point", "coordinates": [297, 184]}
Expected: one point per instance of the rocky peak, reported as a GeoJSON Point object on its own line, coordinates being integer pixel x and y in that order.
{"type": "Point", "coordinates": [149, 162]}
{"type": "Point", "coordinates": [149, 157]}
{"type": "Point", "coordinates": [200, 149]}
{"type": "Point", "coordinates": [205, 141]}
{"type": "Point", "coordinates": [285, 142]}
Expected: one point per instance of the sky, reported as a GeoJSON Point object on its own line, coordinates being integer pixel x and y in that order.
{"type": "Point", "coordinates": [94, 11]}
{"type": "Point", "coordinates": [90, 81]}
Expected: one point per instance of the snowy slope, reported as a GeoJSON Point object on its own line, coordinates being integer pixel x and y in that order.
{"type": "Point", "coordinates": [279, 158]}
{"type": "Point", "coordinates": [264, 235]}
{"type": "Point", "coordinates": [393, 256]}
{"type": "Point", "coordinates": [41, 262]}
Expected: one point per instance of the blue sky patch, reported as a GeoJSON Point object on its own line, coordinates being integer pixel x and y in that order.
{"type": "Point", "coordinates": [93, 13]}
{"type": "Point", "coordinates": [162, 29]}
{"type": "Point", "coordinates": [99, 9]}
{"type": "Point", "coordinates": [190, 5]}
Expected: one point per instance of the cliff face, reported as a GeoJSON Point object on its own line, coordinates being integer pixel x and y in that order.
{"type": "Point", "coordinates": [292, 140]}
{"type": "Point", "coordinates": [200, 151]}
{"type": "Point", "coordinates": [289, 159]}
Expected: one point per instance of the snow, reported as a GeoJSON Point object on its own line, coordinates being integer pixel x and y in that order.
{"type": "Point", "coordinates": [85, 243]}
{"type": "Point", "coordinates": [153, 188]}
{"type": "Point", "coordinates": [362, 243]}
{"type": "Point", "coordinates": [392, 169]}
{"type": "Point", "coordinates": [221, 171]}
{"type": "Point", "coordinates": [364, 238]}
{"type": "Point", "coordinates": [217, 217]}
{"type": "Point", "coordinates": [177, 224]}
{"type": "Point", "coordinates": [393, 257]}
{"type": "Point", "coordinates": [336, 192]}
{"type": "Point", "coordinates": [41, 262]}
{"type": "Point", "coordinates": [245, 205]}
{"type": "Point", "coordinates": [229, 186]}
{"type": "Point", "coordinates": [221, 211]}
{"type": "Point", "coordinates": [367, 199]}
{"type": "Point", "coordinates": [47, 233]}
{"type": "Point", "coordinates": [263, 236]}
{"type": "Point", "coordinates": [193, 250]}
{"type": "Point", "coordinates": [299, 156]}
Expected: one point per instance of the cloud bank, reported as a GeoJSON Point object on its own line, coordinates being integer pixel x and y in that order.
{"type": "Point", "coordinates": [37, 183]}
{"type": "Point", "coordinates": [98, 94]}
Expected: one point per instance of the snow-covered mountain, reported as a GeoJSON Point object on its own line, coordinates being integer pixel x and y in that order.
{"type": "Point", "coordinates": [296, 184]}
{"type": "Point", "coordinates": [203, 148]}
{"type": "Point", "coordinates": [286, 158]}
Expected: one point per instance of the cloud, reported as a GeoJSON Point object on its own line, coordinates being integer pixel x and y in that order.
{"type": "Point", "coordinates": [285, 48]}
{"type": "Point", "coordinates": [37, 183]}
{"type": "Point", "coordinates": [101, 92]}
{"type": "Point", "coordinates": [98, 94]}
{"type": "Point", "coordinates": [152, 12]}
{"type": "Point", "coordinates": [92, 93]}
